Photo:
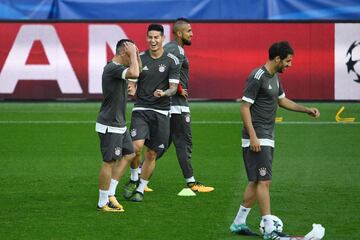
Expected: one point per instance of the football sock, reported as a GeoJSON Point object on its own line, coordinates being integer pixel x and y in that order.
{"type": "Point", "coordinates": [142, 185]}
{"type": "Point", "coordinates": [267, 223]}
{"type": "Point", "coordinates": [103, 198]}
{"type": "Point", "coordinates": [113, 185]}
{"type": "Point", "coordinates": [242, 215]}
{"type": "Point", "coordinates": [134, 174]}
{"type": "Point", "coordinates": [189, 180]}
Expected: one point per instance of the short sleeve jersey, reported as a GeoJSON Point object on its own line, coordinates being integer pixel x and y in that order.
{"type": "Point", "coordinates": [263, 91]}
{"type": "Point", "coordinates": [178, 51]}
{"type": "Point", "coordinates": [156, 74]}
{"type": "Point", "coordinates": [114, 87]}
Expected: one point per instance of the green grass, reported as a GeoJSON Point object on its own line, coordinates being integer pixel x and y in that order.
{"type": "Point", "coordinates": [49, 175]}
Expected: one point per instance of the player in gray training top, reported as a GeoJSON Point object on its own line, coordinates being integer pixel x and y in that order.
{"type": "Point", "coordinates": [180, 121]}
{"type": "Point", "coordinates": [115, 142]}
{"type": "Point", "coordinates": [262, 94]}
{"type": "Point", "coordinates": [150, 120]}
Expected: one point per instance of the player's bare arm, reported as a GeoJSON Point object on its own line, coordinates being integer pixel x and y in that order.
{"type": "Point", "coordinates": [292, 106]}
{"type": "Point", "coordinates": [246, 117]}
{"type": "Point", "coordinates": [138, 58]}
{"type": "Point", "coordinates": [183, 91]}
{"type": "Point", "coordinates": [133, 70]}
{"type": "Point", "coordinates": [168, 92]}
{"type": "Point", "coordinates": [132, 86]}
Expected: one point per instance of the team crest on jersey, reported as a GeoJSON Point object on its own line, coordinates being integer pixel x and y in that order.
{"type": "Point", "coordinates": [118, 151]}
{"type": "Point", "coordinates": [133, 132]}
{"type": "Point", "coordinates": [262, 171]}
{"type": "Point", "coordinates": [162, 68]}
{"type": "Point", "coordinates": [187, 118]}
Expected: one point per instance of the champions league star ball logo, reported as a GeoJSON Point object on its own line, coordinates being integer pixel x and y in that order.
{"type": "Point", "coordinates": [352, 66]}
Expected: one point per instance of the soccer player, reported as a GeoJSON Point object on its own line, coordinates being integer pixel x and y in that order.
{"type": "Point", "coordinates": [150, 120]}
{"type": "Point", "coordinates": [262, 95]}
{"type": "Point", "coordinates": [180, 121]}
{"type": "Point", "coordinates": [115, 141]}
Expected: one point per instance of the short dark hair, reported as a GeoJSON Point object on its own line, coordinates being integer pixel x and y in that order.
{"type": "Point", "coordinates": [156, 27]}
{"type": "Point", "coordinates": [178, 22]}
{"type": "Point", "coordinates": [281, 49]}
{"type": "Point", "coordinates": [121, 44]}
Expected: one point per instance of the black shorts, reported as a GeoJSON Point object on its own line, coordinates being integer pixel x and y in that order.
{"type": "Point", "coordinates": [258, 165]}
{"type": "Point", "coordinates": [153, 127]}
{"type": "Point", "coordinates": [114, 146]}
{"type": "Point", "coordinates": [180, 129]}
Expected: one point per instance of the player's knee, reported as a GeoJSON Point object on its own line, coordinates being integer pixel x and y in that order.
{"type": "Point", "coordinates": [151, 155]}
{"type": "Point", "coordinates": [129, 157]}
{"type": "Point", "coordinates": [265, 183]}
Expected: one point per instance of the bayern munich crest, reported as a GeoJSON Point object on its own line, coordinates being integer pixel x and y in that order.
{"type": "Point", "coordinates": [162, 68]}
{"type": "Point", "coordinates": [133, 132]}
{"type": "Point", "coordinates": [262, 171]}
{"type": "Point", "coordinates": [187, 118]}
{"type": "Point", "coordinates": [118, 151]}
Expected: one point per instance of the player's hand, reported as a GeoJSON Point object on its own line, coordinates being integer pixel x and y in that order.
{"type": "Point", "coordinates": [131, 89]}
{"type": "Point", "coordinates": [184, 93]}
{"type": "Point", "coordinates": [130, 48]}
{"type": "Point", "coordinates": [159, 93]}
{"type": "Point", "coordinates": [255, 145]}
{"type": "Point", "coordinates": [314, 112]}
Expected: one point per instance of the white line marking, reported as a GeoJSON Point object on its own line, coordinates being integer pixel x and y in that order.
{"type": "Point", "coordinates": [193, 122]}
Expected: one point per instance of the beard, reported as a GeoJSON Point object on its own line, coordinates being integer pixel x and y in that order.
{"type": "Point", "coordinates": [281, 69]}
{"type": "Point", "coordinates": [186, 42]}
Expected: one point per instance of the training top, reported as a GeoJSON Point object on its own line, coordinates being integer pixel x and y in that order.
{"type": "Point", "coordinates": [156, 74]}
{"type": "Point", "coordinates": [114, 88]}
{"type": "Point", "coordinates": [263, 91]}
{"type": "Point", "coordinates": [178, 102]}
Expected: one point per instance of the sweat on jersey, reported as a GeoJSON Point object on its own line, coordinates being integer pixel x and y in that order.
{"type": "Point", "coordinates": [263, 91]}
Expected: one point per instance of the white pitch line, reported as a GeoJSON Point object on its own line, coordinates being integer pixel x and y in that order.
{"type": "Point", "coordinates": [193, 122]}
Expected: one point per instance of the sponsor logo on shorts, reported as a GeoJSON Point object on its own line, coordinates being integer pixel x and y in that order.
{"type": "Point", "coordinates": [162, 68]}
{"type": "Point", "coordinates": [133, 132]}
{"type": "Point", "coordinates": [161, 146]}
{"type": "Point", "coordinates": [187, 118]}
{"type": "Point", "coordinates": [118, 151]}
{"type": "Point", "coordinates": [262, 171]}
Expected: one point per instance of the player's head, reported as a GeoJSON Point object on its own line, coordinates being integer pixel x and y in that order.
{"type": "Point", "coordinates": [120, 52]}
{"type": "Point", "coordinates": [281, 54]}
{"type": "Point", "coordinates": [120, 46]}
{"type": "Point", "coordinates": [155, 36]}
{"type": "Point", "coordinates": [182, 31]}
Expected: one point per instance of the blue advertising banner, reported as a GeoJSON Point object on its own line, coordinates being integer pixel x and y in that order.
{"type": "Point", "coordinates": [172, 9]}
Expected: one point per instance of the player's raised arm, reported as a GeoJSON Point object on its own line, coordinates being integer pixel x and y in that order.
{"type": "Point", "coordinates": [133, 70]}
{"type": "Point", "coordinates": [139, 59]}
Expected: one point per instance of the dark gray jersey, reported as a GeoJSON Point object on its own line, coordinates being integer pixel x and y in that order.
{"type": "Point", "coordinates": [114, 87]}
{"type": "Point", "coordinates": [178, 51]}
{"type": "Point", "coordinates": [156, 74]}
{"type": "Point", "coordinates": [263, 91]}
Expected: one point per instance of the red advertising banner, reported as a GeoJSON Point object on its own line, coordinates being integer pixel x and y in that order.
{"type": "Point", "coordinates": [65, 60]}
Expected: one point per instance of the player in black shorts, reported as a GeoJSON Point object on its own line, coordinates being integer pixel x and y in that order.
{"type": "Point", "coordinates": [180, 122]}
{"type": "Point", "coordinates": [150, 120]}
{"type": "Point", "coordinates": [262, 95]}
{"type": "Point", "coordinates": [115, 142]}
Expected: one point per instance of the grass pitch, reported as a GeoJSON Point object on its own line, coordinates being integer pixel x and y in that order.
{"type": "Point", "coordinates": [50, 159]}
